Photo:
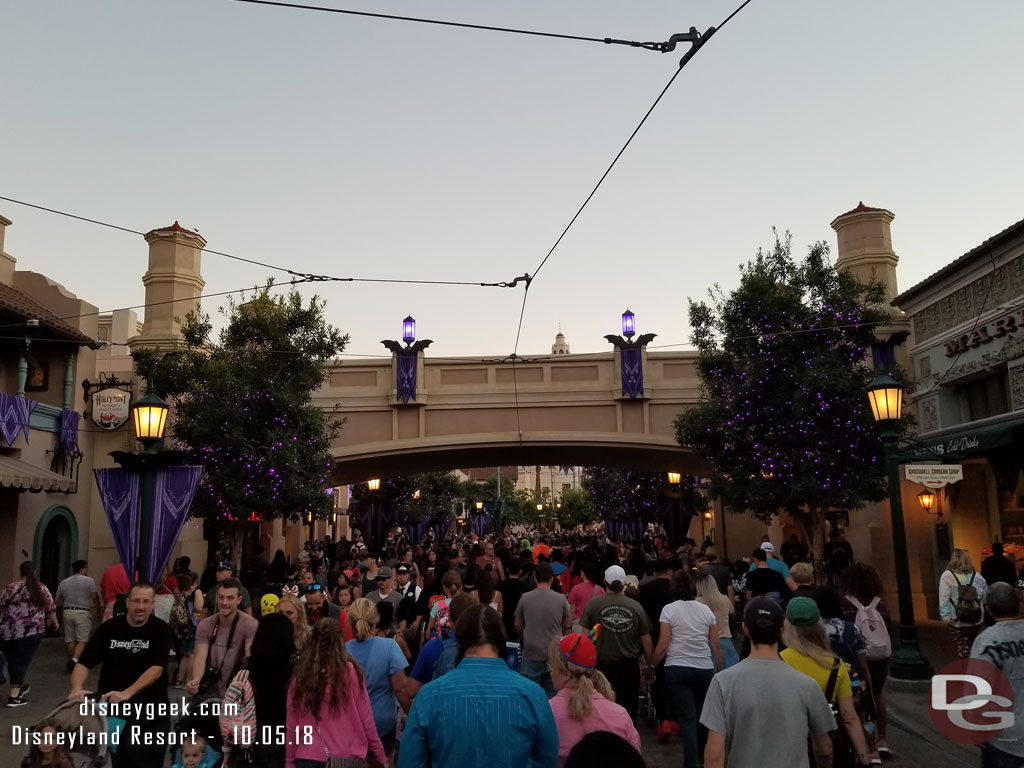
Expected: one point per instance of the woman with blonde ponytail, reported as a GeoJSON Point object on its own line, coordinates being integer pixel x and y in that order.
{"type": "Point", "coordinates": [383, 664]}
{"type": "Point", "coordinates": [585, 701]}
{"type": "Point", "coordinates": [328, 705]}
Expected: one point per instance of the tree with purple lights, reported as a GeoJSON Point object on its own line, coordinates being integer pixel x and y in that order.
{"type": "Point", "coordinates": [243, 407]}
{"type": "Point", "coordinates": [784, 418]}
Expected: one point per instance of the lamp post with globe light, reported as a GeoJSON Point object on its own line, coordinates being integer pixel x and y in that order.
{"type": "Point", "coordinates": [885, 396]}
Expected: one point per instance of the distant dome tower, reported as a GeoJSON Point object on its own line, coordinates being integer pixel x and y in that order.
{"type": "Point", "coordinates": [560, 347]}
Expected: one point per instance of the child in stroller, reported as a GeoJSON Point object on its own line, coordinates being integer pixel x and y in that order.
{"type": "Point", "coordinates": [48, 753]}
{"type": "Point", "coordinates": [196, 754]}
{"type": "Point", "coordinates": [67, 718]}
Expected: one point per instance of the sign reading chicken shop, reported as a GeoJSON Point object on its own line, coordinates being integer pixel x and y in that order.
{"type": "Point", "coordinates": [111, 408]}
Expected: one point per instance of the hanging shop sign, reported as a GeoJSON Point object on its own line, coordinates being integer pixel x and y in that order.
{"type": "Point", "coordinates": [934, 475]}
{"type": "Point", "coordinates": [111, 408]}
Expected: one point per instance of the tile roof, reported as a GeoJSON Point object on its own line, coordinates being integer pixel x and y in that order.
{"type": "Point", "coordinates": [991, 242]}
{"type": "Point", "coordinates": [15, 302]}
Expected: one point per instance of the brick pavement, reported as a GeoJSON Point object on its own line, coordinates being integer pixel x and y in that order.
{"type": "Point", "coordinates": [915, 741]}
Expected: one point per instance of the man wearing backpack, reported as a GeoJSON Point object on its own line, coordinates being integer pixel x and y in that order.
{"type": "Point", "coordinates": [961, 593]}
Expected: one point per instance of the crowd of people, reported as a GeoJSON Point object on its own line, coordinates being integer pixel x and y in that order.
{"type": "Point", "coordinates": [510, 650]}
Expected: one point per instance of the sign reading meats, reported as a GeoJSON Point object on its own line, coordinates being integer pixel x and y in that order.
{"type": "Point", "coordinates": [1010, 323]}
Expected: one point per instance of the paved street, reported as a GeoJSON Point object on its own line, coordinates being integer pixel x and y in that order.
{"type": "Point", "coordinates": [914, 740]}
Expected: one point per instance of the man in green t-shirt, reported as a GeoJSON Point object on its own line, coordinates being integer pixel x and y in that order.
{"type": "Point", "coordinates": [624, 638]}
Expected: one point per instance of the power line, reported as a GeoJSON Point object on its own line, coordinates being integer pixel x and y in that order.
{"type": "Point", "coordinates": [697, 42]}
{"type": "Point", "coordinates": [663, 47]}
{"type": "Point", "coordinates": [305, 276]}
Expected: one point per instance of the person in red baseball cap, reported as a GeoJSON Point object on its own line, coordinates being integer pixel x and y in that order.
{"type": "Point", "coordinates": [585, 701]}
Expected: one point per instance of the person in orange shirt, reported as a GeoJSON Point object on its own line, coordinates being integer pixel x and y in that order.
{"type": "Point", "coordinates": [541, 548]}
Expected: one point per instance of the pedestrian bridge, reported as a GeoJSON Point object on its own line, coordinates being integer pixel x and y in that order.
{"type": "Point", "coordinates": [553, 410]}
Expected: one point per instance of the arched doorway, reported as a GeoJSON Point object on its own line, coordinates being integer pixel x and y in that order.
{"type": "Point", "coordinates": [56, 546]}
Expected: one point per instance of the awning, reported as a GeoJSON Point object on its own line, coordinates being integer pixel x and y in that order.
{"type": "Point", "coordinates": [967, 441]}
{"type": "Point", "coordinates": [15, 473]}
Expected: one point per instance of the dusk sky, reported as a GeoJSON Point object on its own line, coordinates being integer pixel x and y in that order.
{"type": "Point", "coordinates": [371, 148]}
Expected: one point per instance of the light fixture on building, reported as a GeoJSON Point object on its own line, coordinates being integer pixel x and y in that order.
{"type": "Point", "coordinates": [409, 330]}
{"type": "Point", "coordinates": [927, 500]}
{"type": "Point", "coordinates": [886, 398]}
{"type": "Point", "coordinates": [149, 415]}
{"type": "Point", "coordinates": [479, 506]}
{"type": "Point", "coordinates": [708, 515]}
{"type": "Point", "coordinates": [373, 485]}
{"type": "Point", "coordinates": [628, 324]}
{"type": "Point", "coordinates": [674, 478]}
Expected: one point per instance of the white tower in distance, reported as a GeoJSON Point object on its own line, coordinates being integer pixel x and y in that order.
{"type": "Point", "coordinates": [560, 347]}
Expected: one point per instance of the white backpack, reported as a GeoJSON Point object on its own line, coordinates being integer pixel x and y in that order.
{"type": "Point", "coordinates": [871, 624]}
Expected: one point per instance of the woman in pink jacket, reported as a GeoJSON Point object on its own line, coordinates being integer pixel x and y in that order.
{"type": "Point", "coordinates": [585, 701]}
{"type": "Point", "coordinates": [329, 711]}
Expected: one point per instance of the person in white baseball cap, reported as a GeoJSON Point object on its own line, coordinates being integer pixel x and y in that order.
{"type": "Point", "coordinates": [623, 640]}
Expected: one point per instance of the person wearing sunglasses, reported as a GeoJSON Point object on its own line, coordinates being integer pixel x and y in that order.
{"type": "Point", "coordinates": [318, 607]}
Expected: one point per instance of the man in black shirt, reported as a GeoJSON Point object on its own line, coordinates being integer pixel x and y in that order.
{"type": "Point", "coordinates": [997, 567]}
{"type": "Point", "coordinates": [654, 596]}
{"type": "Point", "coordinates": [511, 589]}
{"type": "Point", "coordinates": [766, 582]}
{"type": "Point", "coordinates": [793, 551]}
{"type": "Point", "coordinates": [133, 650]}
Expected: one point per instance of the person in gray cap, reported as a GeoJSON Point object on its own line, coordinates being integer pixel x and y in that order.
{"type": "Point", "coordinates": [386, 592]}
{"type": "Point", "coordinates": [764, 701]}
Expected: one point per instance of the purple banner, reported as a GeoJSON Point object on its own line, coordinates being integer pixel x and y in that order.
{"type": "Point", "coordinates": [416, 531]}
{"type": "Point", "coordinates": [374, 520]}
{"type": "Point", "coordinates": [174, 490]}
{"type": "Point", "coordinates": [440, 527]}
{"type": "Point", "coordinates": [406, 377]}
{"type": "Point", "coordinates": [69, 430]}
{"type": "Point", "coordinates": [14, 416]}
{"type": "Point", "coordinates": [479, 524]}
{"type": "Point", "coordinates": [632, 371]}
{"type": "Point", "coordinates": [119, 492]}
{"type": "Point", "coordinates": [566, 470]}
{"type": "Point", "coordinates": [625, 530]}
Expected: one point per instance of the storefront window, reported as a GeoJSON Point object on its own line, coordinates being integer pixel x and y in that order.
{"type": "Point", "coordinates": [984, 397]}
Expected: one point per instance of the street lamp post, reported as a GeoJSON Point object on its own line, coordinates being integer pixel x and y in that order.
{"type": "Point", "coordinates": [149, 417]}
{"type": "Point", "coordinates": [372, 486]}
{"type": "Point", "coordinates": [886, 398]}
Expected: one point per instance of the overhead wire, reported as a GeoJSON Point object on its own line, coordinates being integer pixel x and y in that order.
{"type": "Point", "coordinates": [306, 276]}
{"type": "Point", "coordinates": [696, 45]}
{"type": "Point", "coordinates": [662, 47]}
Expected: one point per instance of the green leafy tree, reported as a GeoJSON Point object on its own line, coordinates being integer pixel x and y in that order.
{"type": "Point", "coordinates": [576, 508]}
{"type": "Point", "coordinates": [243, 406]}
{"type": "Point", "coordinates": [784, 417]}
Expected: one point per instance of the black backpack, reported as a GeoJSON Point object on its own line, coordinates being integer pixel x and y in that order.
{"type": "Point", "coordinates": [967, 608]}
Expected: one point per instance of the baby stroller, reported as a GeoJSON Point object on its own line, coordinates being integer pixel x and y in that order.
{"type": "Point", "coordinates": [647, 712]}
{"type": "Point", "coordinates": [69, 719]}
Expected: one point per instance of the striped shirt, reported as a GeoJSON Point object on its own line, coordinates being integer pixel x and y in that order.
{"type": "Point", "coordinates": [480, 714]}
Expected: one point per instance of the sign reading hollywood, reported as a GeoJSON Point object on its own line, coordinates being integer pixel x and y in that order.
{"type": "Point", "coordinates": [934, 475]}
{"type": "Point", "coordinates": [111, 408]}
{"type": "Point", "coordinates": [984, 334]}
